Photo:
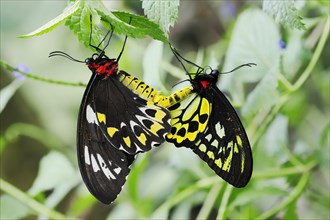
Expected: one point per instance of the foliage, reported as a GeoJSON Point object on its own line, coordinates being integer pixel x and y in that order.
{"type": "Point", "coordinates": [283, 103]}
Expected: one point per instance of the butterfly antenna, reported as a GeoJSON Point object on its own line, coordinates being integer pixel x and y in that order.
{"type": "Point", "coordinates": [180, 82]}
{"type": "Point", "coordinates": [240, 66]}
{"type": "Point", "coordinates": [122, 49]}
{"type": "Point", "coordinates": [62, 54]}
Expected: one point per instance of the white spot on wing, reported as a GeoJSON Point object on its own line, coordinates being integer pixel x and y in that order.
{"type": "Point", "coordinates": [86, 154]}
{"type": "Point", "coordinates": [208, 137]}
{"type": "Point", "coordinates": [90, 115]}
{"type": "Point", "coordinates": [117, 170]}
{"type": "Point", "coordinates": [95, 166]}
{"type": "Point", "coordinates": [105, 168]}
{"type": "Point", "coordinates": [220, 130]}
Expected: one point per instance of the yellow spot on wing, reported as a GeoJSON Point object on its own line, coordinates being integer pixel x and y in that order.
{"type": "Point", "coordinates": [111, 131]}
{"type": "Point", "coordinates": [142, 138]}
{"type": "Point", "coordinates": [101, 118]}
{"type": "Point", "coordinates": [210, 154]}
{"type": "Point", "coordinates": [202, 148]}
{"type": "Point", "coordinates": [227, 163]}
{"type": "Point", "coordinates": [239, 140]}
{"type": "Point", "coordinates": [160, 115]}
{"type": "Point", "coordinates": [127, 141]}
{"type": "Point", "coordinates": [155, 127]}
{"type": "Point", "coordinates": [218, 162]}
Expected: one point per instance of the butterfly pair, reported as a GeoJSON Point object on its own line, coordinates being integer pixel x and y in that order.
{"type": "Point", "coordinates": [121, 116]}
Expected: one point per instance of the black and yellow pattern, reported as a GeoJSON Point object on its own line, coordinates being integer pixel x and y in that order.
{"type": "Point", "coordinates": [207, 123]}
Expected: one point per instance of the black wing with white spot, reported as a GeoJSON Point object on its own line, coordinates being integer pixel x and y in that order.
{"type": "Point", "coordinates": [104, 168]}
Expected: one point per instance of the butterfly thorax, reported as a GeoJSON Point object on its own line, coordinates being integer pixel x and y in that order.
{"type": "Point", "coordinates": [203, 82]}
{"type": "Point", "coordinates": [102, 66]}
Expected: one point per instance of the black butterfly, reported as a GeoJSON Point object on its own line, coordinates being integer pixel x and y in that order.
{"type": "Point", "coordinates": [114, 124]}
{"type": "Point", "coordinates": [207, 123]}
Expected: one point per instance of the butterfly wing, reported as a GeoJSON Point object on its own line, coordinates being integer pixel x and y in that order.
{"type": "Point", "coordinates": [129, 122]}
{"type": "Point", "coordinates": [189, 120]}
{"type": "Point", "coordinates": [224, 145]}
{"type": "Point", "coordinates": [103, 168]}
{"type": "Point", "coordinates": [208, 124]}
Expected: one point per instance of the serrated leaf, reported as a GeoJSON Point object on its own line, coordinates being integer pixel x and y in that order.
{"type": "Point", "coordinates": [284, 12]}
{"type": "Point", "coordinates": [259, 45]}
{"type": "Point", "coordinates": [55, 22]}
{"type": "Point", "coordinates": [134, 26]}
{"type": "Point", "coordinates": [164, 13]}
{"type": "Point", "coordinates": [79, 23]}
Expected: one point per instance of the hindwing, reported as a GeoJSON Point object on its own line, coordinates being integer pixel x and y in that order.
{"type": "Point", "coordinates": [130, 123]}
{"type": "Point", "coordinates": [189, 120]}
{"type": "Point", "coordinates": [224, 145]}
{"type": "Point", "coordinates": [104, 168]}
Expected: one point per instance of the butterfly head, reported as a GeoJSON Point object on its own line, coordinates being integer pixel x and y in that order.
{"type": "Point", "coordinates": [102, 65]}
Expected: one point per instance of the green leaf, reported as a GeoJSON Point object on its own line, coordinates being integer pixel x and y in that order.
{"type": "Point", "coordinates": [259, 45]}
{"type": "Point", "coordinates": [164, 13]}
{"type": "Point", "coordinates": [55, 22]}
{"type": "Point", "coordinates": [54, 169]}
{"type": "Point", "coordinates": [131, 25]}
{"type": "Point", "coordinates": [263, 96]}
{"type": "Point", "coordinates": [284, 12]}
{"type": "Point", "coordinates": [79, 23]}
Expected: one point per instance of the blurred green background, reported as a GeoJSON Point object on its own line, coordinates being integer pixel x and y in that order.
{"type": "Point", "coordinates": [283, 103]}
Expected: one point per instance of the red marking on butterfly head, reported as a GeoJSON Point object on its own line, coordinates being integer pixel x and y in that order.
{"type": "Point", "coordinates": [205, 84]}
{"type": "Point", "coordinates": [102, 66]}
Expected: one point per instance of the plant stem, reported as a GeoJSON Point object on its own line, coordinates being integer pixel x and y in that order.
{"type": "Point", "coordinates": [209, 202]}
{"type": "Point", "coordinates": [28, 201]}
{"type": "Point", "coordinates": [302, 79]}
{"type": "Point", "coordinates": [298, 190]}
{"type": "Point", "coordinates": [39, 78]}
{"type": "Point", "coordinates": [224, 203]}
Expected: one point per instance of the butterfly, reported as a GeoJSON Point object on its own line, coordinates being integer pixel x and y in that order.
{"type": "Point", "coordinates": [114, 124]}
{"type": "Point", "coordinates": [207, 123]}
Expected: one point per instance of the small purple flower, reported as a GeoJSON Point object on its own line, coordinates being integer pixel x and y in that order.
{"type": "Point", "coordinates": [23, 68]}
{"type": "Point", "coordinates": [282, 44]}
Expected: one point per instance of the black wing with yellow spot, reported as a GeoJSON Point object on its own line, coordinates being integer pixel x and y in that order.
{"type": "Point", "coordinates": [207, 123]}
{"type": "Point", "coordinates": [224, 145]}
{"type": "Point", "coordinates": [189, 120]}
{"type": "Point", "coordinates": [103, 168]}
{"type": "Point", "coordinates": [129, 122]}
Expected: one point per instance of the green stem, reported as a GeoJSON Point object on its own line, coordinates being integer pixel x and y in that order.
{"type": "Point", "coordinates": [224, 203]}
{"type": "Point", "coordinates": [30, 202]}
{"type": "Point", "coordinates": [298, 190]}
{"type": "Point", "coordinates": [315, 58]}
{"type": "Point", "coordinates": [302, 79]}
{"type": "Point", "coordinates": [269, 174]}
{"type": "Point", "coordinates": [204, 183]}
{"type": "Point", "coordinates": [208, 204]}
{"type": "Point", "coordinates": [39, 78]}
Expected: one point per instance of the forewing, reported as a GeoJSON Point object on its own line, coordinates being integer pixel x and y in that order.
{"type": "Point", "coordinates": [129, 122]}
{"type": "Point", "coordinates": [189, 120]}
{"type": "Point", "coordinates": [224, 145]}
{"type": "Point", "coordinates": [104, 168]}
